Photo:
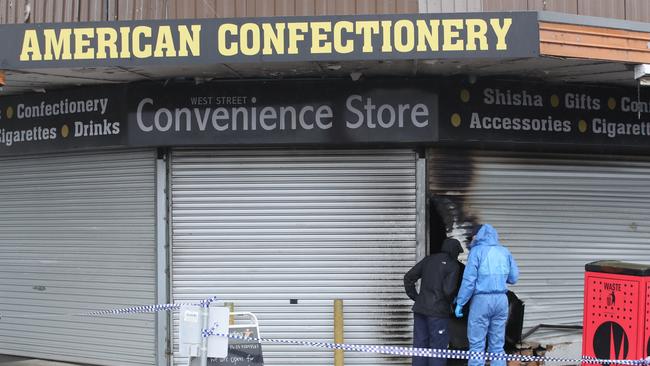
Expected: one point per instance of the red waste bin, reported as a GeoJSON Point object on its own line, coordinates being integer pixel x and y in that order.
{"type": "Point", "coordinates": [616, 318]}
{"type": "Point", "coordinates": [646, 336]}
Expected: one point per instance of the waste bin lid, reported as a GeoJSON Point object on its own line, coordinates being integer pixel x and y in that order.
{"type": "Point", "coordinates": [618, 267]}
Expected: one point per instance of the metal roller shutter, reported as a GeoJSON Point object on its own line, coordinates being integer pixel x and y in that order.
{"type": "Point", "coordinates": [555, 213]}
{"type": "Point", "coordinates": [77, 234]}
{"type": "Point", "coordinates": [259, 228]}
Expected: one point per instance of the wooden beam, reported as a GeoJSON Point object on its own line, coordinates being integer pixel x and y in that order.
{"type": "Point", "coordinates": [595, 43]}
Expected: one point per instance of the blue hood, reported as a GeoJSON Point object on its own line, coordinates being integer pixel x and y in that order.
{"type": "Point", "coordinates": [487, 235]}
{"type": "Point", "coordinates": [490, 266]}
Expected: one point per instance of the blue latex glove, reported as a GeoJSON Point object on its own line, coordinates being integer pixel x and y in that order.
{"type": "Point", "coordinates": [459, 311]}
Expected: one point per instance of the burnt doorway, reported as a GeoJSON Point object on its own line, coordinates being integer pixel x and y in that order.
{"type": "Point", "coordinates": [437, 228]}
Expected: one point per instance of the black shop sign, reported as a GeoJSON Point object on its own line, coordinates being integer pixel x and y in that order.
{"type": "Point", "coordinates": [67, 120]}
{"type": "Point", "coordinates": [494, 114]}
{"type": "Point", "coordinates": [289, 113]}
{"type": "Point", "coordinates": [323, 113]}
{"type": "Point", "coordinates": [545, 116]}
{"type": "Point", "coordinates": [286, 39]}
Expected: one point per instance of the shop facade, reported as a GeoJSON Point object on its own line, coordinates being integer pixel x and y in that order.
{"type": "Point", "coordinates": [283, 229]}
{"type": "Point", "coordinates": [282, 196]}
{"type": "Point", "coordinates": [79, 230]}
{"type": "Point", "coordinates": [279, 197]}
{"type": "Point", "coordinates": [560, 170]}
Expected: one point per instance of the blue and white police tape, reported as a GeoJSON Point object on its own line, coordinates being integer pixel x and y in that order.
{"type": "Point", "coordinates": [149, 308]}
{"type": "Point", "coordinates": [427, 352]}
{"type": "Point", "coordinates": [390, 350]}
{"type": "Point", "coordinates": [134, 310]}
{"type": "Point", "coordinates": [130, 310]}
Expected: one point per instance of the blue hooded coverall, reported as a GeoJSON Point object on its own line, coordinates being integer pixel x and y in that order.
{"type": "Point", "coordinates": [489, 267]}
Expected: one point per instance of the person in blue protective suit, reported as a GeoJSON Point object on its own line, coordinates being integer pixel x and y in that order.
{"type": "Point", "coordinates": [490, 267]}
{"type": "Point", "coordinates": [438, 275]}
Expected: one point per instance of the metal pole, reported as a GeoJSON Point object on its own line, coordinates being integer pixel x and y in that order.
{"type": "Point", "coordinates": [162, 261]}
{"type": "Point", "coordinates": [231, 306]}
{"type": "Point", "coordinates": [203, 352]}
{"type": "Point", "coordinates": [338, 332]}
{"type": "Point", "coordinates": [421, 210]}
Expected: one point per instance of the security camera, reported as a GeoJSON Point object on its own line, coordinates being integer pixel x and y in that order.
{"type": "Point", "coordinates": [642, 74]}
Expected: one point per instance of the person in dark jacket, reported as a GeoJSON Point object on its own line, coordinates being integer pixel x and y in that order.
{"type": "Point", "coordinates": [439, 275]}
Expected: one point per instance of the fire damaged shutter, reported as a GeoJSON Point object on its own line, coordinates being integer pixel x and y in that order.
{"type": "Point", "coordinates": [284, 233]}
{"type": "Point", "coordinates": [77, 233]}
{"type": "Point", "coordinates": [555, 213]}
